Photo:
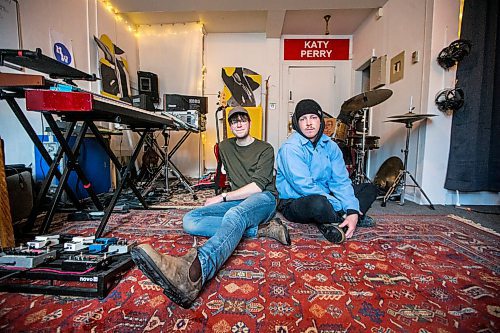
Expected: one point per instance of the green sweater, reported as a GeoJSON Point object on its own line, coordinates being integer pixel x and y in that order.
{"type": "Point", "coordinates": [247, 164]}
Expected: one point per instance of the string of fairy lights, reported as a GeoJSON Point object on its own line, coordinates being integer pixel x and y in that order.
{"type": "Point", "coordinates": [137, 30]}
{"type": "Point", "coordinates": [160, 29]}
{"type": "Point", "coordinates": [120, 17]}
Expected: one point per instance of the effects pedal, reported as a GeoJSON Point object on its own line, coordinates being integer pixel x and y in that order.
{"type": "Point", "coordinates": [83, 239]}
{"type": "Point", "coordinates": [83, 262]}
{"type": "Point", "coordinates": [79, 243]}
{"type": "Point", "coordinates": [43, 241]}
{"type": "Point", "coordinates": [26, 257]}
{"type": "Point", "coordinates": [75, 246]}
{"type": "Point", "coordinates": [101, 244]}
{"type": "Point", "coordinates": [121, 247]}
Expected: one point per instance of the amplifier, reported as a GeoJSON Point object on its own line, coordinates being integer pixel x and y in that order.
{"type": "Point", "coordinates": [193, 118]}
{"type": "Point", "coordinates": [175, 102]}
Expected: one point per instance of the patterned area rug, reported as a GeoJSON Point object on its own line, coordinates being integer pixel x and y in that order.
{"type": "Point", "coordinates": [408, 274]}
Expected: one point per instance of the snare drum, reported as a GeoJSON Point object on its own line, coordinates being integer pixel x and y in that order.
{"type": "Point", "coordinates": [341, 131]}
{"type": "Point", "coordinates": [371, 141]}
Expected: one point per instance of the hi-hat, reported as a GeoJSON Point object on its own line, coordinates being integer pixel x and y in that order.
{"type": "Point", "coordinates": [408, 118]}
{"type": "Point", "coordinates": [412, 115]}
{"type": "Point", "coordinates": [365, 100]}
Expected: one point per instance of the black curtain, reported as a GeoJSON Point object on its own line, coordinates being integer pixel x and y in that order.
{"type": "Point", "coordinates": [474, 161]}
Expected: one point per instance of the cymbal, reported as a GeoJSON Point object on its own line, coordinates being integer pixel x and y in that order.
{"type": "Point", "coordinates": [365, 100]}
{"type": "Point", "coordinates": [406, 120]}
{"type": "Point", "coordinates": [412, 115]}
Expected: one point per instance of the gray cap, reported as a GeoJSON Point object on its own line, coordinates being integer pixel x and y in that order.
{"type": "Point", "coordinates": [235, 110]}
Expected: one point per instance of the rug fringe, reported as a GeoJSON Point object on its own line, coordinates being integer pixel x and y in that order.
{"type": "Point", "coordinates": [474, 224]}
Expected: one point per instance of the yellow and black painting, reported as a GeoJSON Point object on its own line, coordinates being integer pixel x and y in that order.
{"type": "Point", "coordinates": [113, 68]}
{"type": "Point", "coordinates": [242, 87]}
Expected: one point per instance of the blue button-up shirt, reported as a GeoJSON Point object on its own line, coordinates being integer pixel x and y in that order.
{"type": "Point", "coordinates": [304, 170]}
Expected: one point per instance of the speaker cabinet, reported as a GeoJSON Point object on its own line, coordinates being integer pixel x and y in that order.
{"type": "Point", "coordinates": [148, 85]}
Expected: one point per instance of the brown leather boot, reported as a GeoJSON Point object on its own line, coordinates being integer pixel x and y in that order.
{"type": "Point", "coordinates": [170, 273]}
{"type": "Point", "coordinates": [275, 229]}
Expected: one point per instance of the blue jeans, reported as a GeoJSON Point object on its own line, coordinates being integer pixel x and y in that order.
{"type": "Point", "coordinates": [226, 223]}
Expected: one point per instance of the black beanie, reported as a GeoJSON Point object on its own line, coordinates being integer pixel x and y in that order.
{"type": "Point", "coordinates": [308, 106]}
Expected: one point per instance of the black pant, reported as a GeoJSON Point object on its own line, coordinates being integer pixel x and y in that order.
{"type": "Point", "coordinates": [317, 209]}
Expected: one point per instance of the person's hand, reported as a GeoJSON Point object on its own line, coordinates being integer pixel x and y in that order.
{"type": "Point", "coordinates": [350, 221]}
{"type": "Point", "coordinates": [213, 200]}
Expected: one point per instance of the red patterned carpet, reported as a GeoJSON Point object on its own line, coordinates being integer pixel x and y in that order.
{"type": "Point", "coordinates": [408, 274]}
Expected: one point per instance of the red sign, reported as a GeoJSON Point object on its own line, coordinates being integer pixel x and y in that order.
{"type": "Point", "coordinates": [316, 49]}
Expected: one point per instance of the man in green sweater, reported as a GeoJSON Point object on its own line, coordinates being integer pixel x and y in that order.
{"type": "Point", "coordinates": [225, 218]}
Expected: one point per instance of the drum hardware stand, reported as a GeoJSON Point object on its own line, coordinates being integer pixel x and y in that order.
{"type": "Point", "coordinates": [362, 102]}
{"type": "Point", "coordinates": [361, 176]}
{"type": "Point", "coordinates": [401, 178]}
{"type": "Point", "coordinates": [166, 140]}
{"type": "Point", "coordinates": [168, 165]}
{"type": "Point", "coordinates": [160, 152]}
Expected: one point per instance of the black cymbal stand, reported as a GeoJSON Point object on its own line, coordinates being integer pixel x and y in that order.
{"type": "Point", "coordinates": [360, 176]}
{"type": "Point", "coordinates": [401, 178]}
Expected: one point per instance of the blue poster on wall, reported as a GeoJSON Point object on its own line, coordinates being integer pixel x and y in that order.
{"type": "Point", "coordinates": [62, 48]}
{"type": "Point", "coordinates": [62, 53]}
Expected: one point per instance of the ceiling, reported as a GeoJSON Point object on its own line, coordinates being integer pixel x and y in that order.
{"type": "Point", "coordinates": [273, 17]}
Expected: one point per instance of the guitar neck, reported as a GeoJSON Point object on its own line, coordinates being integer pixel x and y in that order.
{"type": "Point", "coordinates": [223, 104]}
{"type": "Point", "coordinates": [224, 124]}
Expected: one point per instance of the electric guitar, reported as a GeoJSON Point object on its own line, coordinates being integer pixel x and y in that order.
{"type": "Point", "coordinates": [220, 178]}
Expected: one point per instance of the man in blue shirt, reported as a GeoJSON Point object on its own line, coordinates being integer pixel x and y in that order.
{"type": "Point", "coordinates": [313, 182]}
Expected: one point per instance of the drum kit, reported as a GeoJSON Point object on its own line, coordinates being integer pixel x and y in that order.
{"type": "Point", "coordinates": [351, 133]}
{"type": "Point", "coordinates": [351, 130]}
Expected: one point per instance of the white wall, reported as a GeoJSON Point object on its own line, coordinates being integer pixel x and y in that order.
{"type": "Point", "coordinates": [78, 21]}
{"type": "Point", "coordinates": [35, 26]}
{"type": "Point", "coordinates": [174, 53]}
{"type": "Point", "coordinates": [401, 28]}
{"type": "Point", "coordinates": [427, 27]}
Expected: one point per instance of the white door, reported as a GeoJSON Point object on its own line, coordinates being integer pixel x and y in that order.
{"type": "Point", "coordinates": [327, 85]}
{"type": "Point", "coordinates": [315, 83]}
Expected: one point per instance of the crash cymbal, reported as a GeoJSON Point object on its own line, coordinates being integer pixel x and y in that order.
{"type": "Point", "coordinates": [365, 100]}
{"type": "Point", "coordinates": [412, 115]}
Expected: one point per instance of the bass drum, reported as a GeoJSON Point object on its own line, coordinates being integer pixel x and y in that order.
{"type": "Point", "coordinates": [387, 173]}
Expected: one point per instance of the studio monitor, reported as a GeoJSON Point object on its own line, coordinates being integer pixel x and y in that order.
{"type": "Point", "coordinates": [148, 85]}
